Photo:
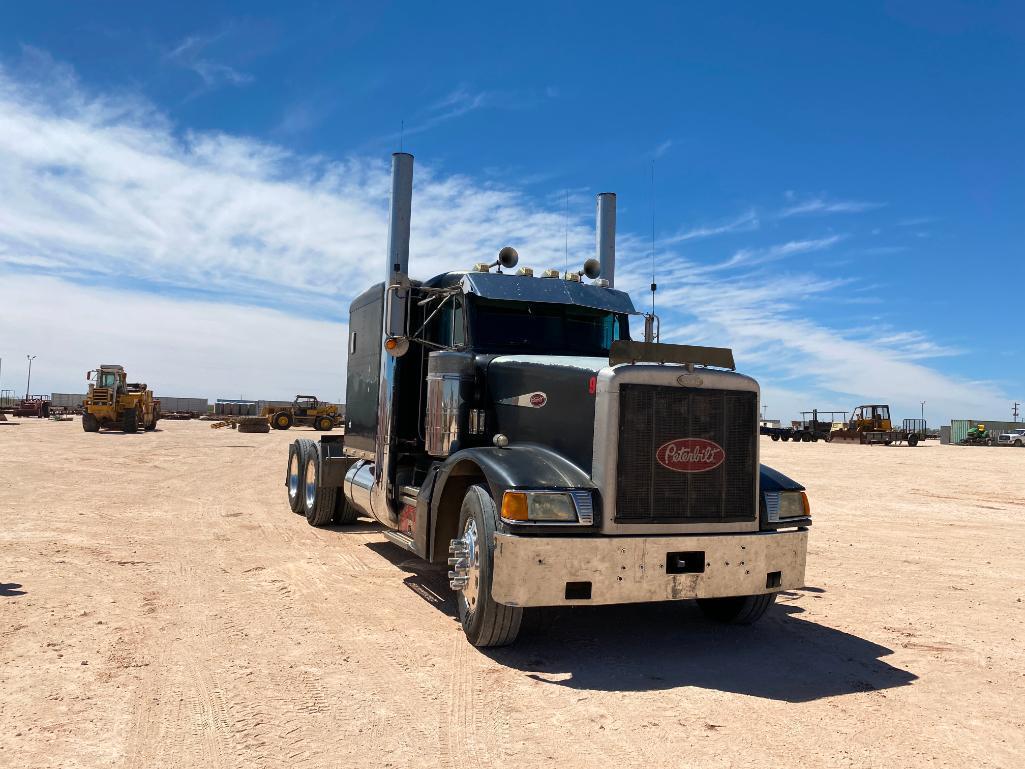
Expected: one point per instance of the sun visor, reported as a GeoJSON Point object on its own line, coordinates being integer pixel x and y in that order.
{"type": "Point", "coordinates": [626, 351]}
{"type": "Point", "coordinates": [519, 288]}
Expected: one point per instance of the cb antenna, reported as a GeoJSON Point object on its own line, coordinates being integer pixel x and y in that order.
{"type": "Point", "coordinates": [654, 286]}
{"type": "Point", "coordinates": [566, 225]}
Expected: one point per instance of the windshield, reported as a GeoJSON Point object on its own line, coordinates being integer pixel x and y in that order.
{"type": "Point", "coordinates": [501, 326]}
{"type": "Point", "coordinates": [106, 379]}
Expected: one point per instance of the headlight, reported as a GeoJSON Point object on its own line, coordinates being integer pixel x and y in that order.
{"type": "Point", "coordinates": [786, 504]}
{"type": "Point", "coordinates": [541, 506]}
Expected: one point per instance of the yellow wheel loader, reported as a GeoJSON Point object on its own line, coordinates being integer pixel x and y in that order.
{"type": "Point", "coordinates": [305, 410]}
{"type": "Point", "coordinates": [114, 403]}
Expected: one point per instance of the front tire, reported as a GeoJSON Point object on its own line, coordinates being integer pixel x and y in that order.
{"type": "Point", "coordinates": [281, 421]}
{"type": "Point", "coordinates": [325, 424]}
{"type": "Point", "coordinates": [90, 423]}
{"type": "Point", "coordinates": [485, 621]}
{"type": "Point", "coordinates": [737, 610]}
{"type": "Point", "coordinates": [130, 421]}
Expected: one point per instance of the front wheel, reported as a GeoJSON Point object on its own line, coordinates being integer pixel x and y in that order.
{"type": "Point", "coordinates": [90, 423]}
{"type": "Point", "coordinates": [282, 420]}
{"type": "Point", "coordinates": [485, 621]}
{"type": "Point", "coordinates": [775, 437]}
{"type": "Point", "coordinates": [130, 421]}
{"type": "Point", "coordinates": [324, 424]}
{"type": "Point", "coordinates": [737, 610]}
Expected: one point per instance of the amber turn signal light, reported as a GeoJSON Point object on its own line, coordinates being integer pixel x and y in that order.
{"type": "Point", "coordinates": [514, 506]}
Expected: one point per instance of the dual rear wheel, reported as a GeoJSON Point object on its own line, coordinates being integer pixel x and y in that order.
{"type": "Point", "coordinates": [307, 496]}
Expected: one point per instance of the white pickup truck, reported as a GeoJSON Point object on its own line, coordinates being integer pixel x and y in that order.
{"type": "Point", "coordinates": [1014, 438]}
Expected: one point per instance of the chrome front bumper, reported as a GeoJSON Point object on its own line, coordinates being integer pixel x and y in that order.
{"type": "Point", "coordinates": [559, 571]}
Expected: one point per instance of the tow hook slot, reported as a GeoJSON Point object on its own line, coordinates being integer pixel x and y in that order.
{"type": "Point", "coordinates": [686, 562]}
{"type": "Point", "coordinates": [578, 591]}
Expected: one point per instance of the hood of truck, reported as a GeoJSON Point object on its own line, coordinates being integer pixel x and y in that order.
{"type": "Point", "coordinates": [545, 399]}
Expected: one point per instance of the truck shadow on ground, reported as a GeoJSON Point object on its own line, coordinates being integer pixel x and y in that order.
{"type": "Point", "coordinates": [10, 589]}
{"type": "Point", "coordinates": [645, 647]}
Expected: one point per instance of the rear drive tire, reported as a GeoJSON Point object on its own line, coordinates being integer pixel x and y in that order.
{"type": "Point", "coordinates": [775, 437]}
{"type": "Point", "coordinates": [295, 474]}
{"type": "Point", "coordinates": [324, 424]}
{"type": "Point", "coordinates": [345, 513]}
{"type": "Point", "coordinates": [89, 423]}
{"type": "Point", "coordinates": [485, 621]}
{"type": "Point", "coordinates": [130, 421]}
{"type": "Point", "coordinates": [318, 501]}
{"type": "Point", "coordinates": [738, 610]}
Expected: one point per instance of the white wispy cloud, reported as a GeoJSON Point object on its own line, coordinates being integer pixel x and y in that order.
{"type": "Point", "coordinates": [180, 347]}
{"type": "Point", "coordinates": [192, 53]}
{"type": "Point", "coordinates": [662, 148]}
{"type": "Point", "coordinates": [746, 221]}
{"type": "Point", "coordinates": [242, 247]}
{"type": "Point", "coordinates": [823, 206]}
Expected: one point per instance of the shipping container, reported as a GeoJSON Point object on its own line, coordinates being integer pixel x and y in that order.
{"type": "Point", "coordinates": [67, 400]}
{"type": "Point", "coordinates": [170, 404]}
{"type": "Point", "coordinates": [959, 427]}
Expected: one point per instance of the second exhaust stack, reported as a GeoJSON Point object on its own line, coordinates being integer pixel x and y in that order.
{"type": "Point", "coordinates": [605, 235]}
{"type": "Point", "coordinates": [401, 210]}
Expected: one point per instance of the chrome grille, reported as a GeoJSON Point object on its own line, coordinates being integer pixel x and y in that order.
{"type": "Point", "coordinates": [650, 416]}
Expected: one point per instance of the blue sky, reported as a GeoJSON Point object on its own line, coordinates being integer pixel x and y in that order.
{"type": "Point", "coordinates": [839, 191]}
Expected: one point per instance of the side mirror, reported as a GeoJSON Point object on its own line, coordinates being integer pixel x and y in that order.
{"type": "Point", "coordinates": [396, 316]}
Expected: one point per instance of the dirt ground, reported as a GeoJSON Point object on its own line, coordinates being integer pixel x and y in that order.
{"type": "Point", "coordinates": [161, 607]}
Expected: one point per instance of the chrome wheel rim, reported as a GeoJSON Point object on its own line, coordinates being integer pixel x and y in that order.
{"type": "Point", "coordinates": [293, 476]}
{"type": "Point", "coordinates": [465, 574]}
{"type": "Point", "coordinates": [311, 484]}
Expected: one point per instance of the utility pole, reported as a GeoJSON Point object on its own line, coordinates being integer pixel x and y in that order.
{"type": "Point", "coordinates": [28, 382]}
{"type": "Point", "coordinates": [1014, 411]}
{"type": "Point", "coordinates": [923, 409]}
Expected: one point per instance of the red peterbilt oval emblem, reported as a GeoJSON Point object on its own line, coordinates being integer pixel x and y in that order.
{"type": "Point", "coordinates": [537, 400]}
{"type": "Point", "coordinates": [690, 455]}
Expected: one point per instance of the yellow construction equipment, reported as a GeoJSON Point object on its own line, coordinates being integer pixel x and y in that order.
{"type": "Point", "coordinates": [870, 424]}
{"type": "Point", "coordinates": [114, 403]}
{"type": "Point", "coordinates": [304, 410]}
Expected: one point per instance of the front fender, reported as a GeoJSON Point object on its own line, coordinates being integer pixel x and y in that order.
{"type": "Point", "coordinates": [771, 480]}
{"type": "Point", "coordinates": [774, 480]}
{"type": "Point", "coordinates": [521, 466]}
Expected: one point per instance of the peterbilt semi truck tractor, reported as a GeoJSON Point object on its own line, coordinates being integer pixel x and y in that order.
{"type": "Point", "coordinates": [505, 423]}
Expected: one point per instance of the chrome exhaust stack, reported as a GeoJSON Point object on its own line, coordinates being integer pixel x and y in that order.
{"type": "Point", "coordinates": [401, 211]}
{"type": "Point", "coordinates": [396, 300]}
{"type": "Point", "coordinates": [605, 235]}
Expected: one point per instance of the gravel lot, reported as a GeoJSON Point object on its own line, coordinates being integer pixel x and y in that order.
{"type": "Point", "coordinates": [161, 607]}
